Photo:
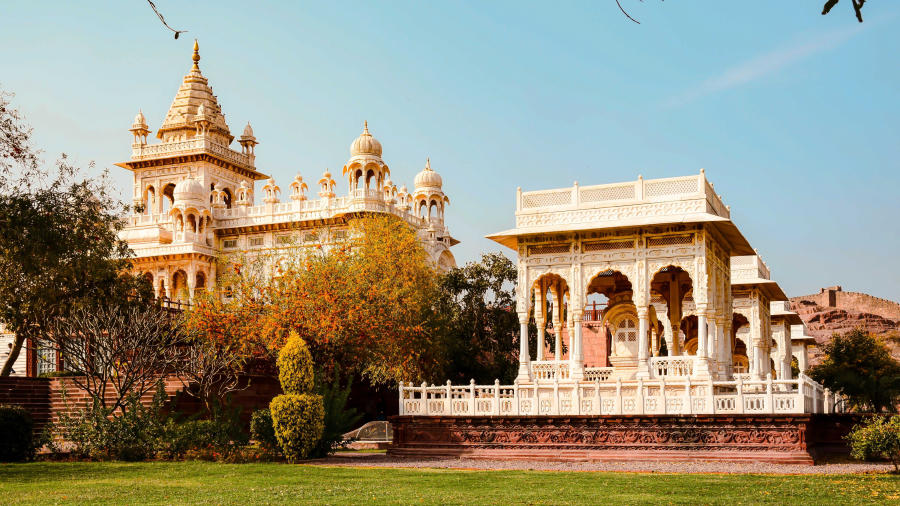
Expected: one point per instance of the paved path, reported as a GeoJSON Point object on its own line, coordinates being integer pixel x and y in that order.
{"type": "Point", "coordinates": [382, 460]}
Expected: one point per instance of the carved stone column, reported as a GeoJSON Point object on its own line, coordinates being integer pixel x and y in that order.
{"type": "Point", "coordinates": [643, 343]}
{"type": "Point", "coordinates": [524, 357]}
{"type": "Point", "coordinates": [539, 320]}
{"type": "Point", "coordinates": [576, 349]}
{"type": "Point", "coordinates": [701, 366]}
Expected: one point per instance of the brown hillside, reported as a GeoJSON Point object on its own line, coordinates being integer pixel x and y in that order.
{"type": "Point", "coordinates": [833, 310]}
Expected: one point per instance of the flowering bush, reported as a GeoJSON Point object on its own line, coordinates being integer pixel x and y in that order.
{"type": "Point", "coordinates": [879, 437]}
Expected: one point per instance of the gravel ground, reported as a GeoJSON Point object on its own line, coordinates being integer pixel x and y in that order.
{"type": "Point", "coordinates": [382, 460]}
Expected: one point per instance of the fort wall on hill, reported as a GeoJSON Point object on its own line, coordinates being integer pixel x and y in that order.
{"type": "Point", "coordinates": [864, 303]}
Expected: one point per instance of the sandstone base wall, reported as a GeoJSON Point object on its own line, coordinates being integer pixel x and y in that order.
{"type": "Point", "coordinates": [796, 439]}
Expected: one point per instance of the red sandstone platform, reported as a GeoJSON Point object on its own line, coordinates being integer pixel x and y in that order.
{"type": "Point", "coordinates": [789, 439]}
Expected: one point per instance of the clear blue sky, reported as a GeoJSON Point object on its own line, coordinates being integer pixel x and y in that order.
{"type": "Point", "coordinates": [795, 116]}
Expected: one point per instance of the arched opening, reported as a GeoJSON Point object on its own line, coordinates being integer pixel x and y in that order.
{"type": "Point", "coordinates": [421, 211]}
{"type": "Point", "coordinates": [149, 200]}
{"type": "Point", "coordinates": [192, 223]}
{"type": "Point", "coordinates": [200, 283]}
{"type": "Point", "coordinates": [432, 208]}
{"type": "Point", "coordinates": [369, 175]}
{"type": "Point", "coordinates": [161, 293]}
{"type": "Point", "coordinates": [613, 339]}
{"type": "Point", "coordinates": [168, 198]}
{"type": "Point", "coordinates": [670, 288]}
{"type": "Point", "coordinates": [148, 277]}
{"type": "Point", "coordinates": [549, 296]}
{"type": "Point", "coordinates": [227, 198]}
{"type": "Point", "coordinates": [179, 286]}
{"type": "Point", "coordinates": [741, 334]}
{"type": "Point", "coordinates": [688, 334]}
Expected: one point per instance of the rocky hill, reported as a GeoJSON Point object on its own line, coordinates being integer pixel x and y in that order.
{"type": "Point", "coordinates": [833, 310]}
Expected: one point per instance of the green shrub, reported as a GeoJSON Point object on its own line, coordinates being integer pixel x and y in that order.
{"type": "Point", "coordinates": [16, 434]}
{"type": "Point", "coordinates": [298, 423]}
{"type": "Point", "coordinates": [262, 429]}
{"type": "Point", "coordinates": [58, 374]}
{"type": "Point", "coordinates": [338, 419]}
{"type": "Point", "coordinates": [97, 432]}
{"type": "Point", "coordinates": [295, 367]}
{"type": "Point", "coordinates": [298, 415]}
{"type": "Point", "coordinates": [878, 437]}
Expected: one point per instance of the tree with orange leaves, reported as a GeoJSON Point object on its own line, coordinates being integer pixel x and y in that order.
{"type": "Point", "coordinates": [364, 304]}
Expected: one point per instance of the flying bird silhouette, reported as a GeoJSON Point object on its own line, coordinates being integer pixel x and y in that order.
{"type": "Point", "coordinates": [161, 18]}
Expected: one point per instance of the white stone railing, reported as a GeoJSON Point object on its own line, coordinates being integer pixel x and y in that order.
{"type": "Point", "coordinates": [597, 373]}
{"type": "Point", "coordinates": [549, 370]}
{"type": "Point", "coordinates": [748, 267]}
{"type": "Point", "coordinates": [672, 367]}
{"type": "Point", "coordinates": [618, 194]}
{"type": "Point", "coordinates": [359, 200]}
{"type": "Point", "coordinates": [195, 145]}
{"type": "Point", "coordinates": [680, 396]}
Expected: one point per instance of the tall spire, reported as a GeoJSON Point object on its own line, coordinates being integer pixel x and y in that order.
{"type": "Point", "coordinates": [366, 127]}
{"type": "Point", "coordinates": [196, 56]}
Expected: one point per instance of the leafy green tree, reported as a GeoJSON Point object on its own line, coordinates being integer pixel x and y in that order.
{"type": "Point", "coordinates": [859, 366]}
{"type": "Point", "coordinates": [59, 243]}
{"type": "Point", "coordinates": [481, 327]}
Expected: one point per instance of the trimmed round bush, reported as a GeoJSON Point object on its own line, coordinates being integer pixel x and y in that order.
{"type": "Point", "coordinates": [295, 366]}
{"type": "Point", "coordinates": [16, 434]}
{"type": "Point", "coordinates": [298, 421]}
{"type": "Point", "coordinates": [262, 429]}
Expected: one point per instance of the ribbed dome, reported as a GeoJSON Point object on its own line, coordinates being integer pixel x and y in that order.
{"type": "Point", "coordinates": [190, 189]}
{"type": "Point", "coordinates": [365, 144]}
{"type": "Point", "coordinates": [428, 177]}
{"type": "Point", "coordinates": [248, 131]}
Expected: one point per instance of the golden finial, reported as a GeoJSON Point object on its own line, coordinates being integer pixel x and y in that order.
{"type": "Point", "coordinates": [196, 56]}
{"type": "Point", "coordinates": [366, 127]}
{"type": "Point", "coordinates": [427, 163]}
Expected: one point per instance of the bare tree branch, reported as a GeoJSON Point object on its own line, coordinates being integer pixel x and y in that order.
{"type": "Point", "coordinates": [161, 18]}
{"type": "Point", "coordinates": [118, 350]}
{"type": "Point", "coordinates": [625, 13]}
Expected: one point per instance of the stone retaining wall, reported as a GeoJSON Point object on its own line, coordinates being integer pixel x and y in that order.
{"type": "Point", "coordinates": [796, 439]}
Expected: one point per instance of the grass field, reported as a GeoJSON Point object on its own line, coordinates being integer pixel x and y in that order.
{"type": "Point", "coordinates": [212, 483]}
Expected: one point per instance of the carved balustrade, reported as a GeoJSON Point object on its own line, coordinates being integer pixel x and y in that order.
{"type": "Point", "coordinates": [663, 396]}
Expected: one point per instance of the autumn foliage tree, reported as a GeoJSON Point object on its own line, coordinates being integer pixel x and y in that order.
{"type": "Point", "coordinates": [363, 304]}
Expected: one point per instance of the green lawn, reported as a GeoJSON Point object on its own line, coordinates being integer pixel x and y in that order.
{"type": "Point", "coordinates": [201, 482]}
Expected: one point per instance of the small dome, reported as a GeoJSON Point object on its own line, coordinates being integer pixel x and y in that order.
{"type": "Point", "coordinates": [365, 144]}
{"type": "Point", "coordinates": [428, 177]}
{"type": "Point", "coordinates": [248, 131]}
{"type": "Point", "coordinates": [190, 189]}
{"type": "Point", "coordinates": [140, 122]}
{"type": "Point", "coordinates": [403, 189]}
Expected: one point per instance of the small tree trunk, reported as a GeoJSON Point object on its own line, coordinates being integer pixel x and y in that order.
{"type": "Point", "coordinates": [13, 355]}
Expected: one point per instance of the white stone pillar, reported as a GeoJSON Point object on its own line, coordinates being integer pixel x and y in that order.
{"type": "Point", "coordinates": [643, 343]}
{"type": "Point", "coordinates": [712, 332]}
{"type": "Point", "coordinates": [524, 356]}
{"type": "Point", "coordinates": [727, 357]}
{"type": "Point", "coordinates": [702, 336]}
{"type": "Point", "coordinates": [577, 353]}
{"type": "Point", "coordinates": [701, 366]}
{"type": "Point", "coordinates": [557, 349]}
{"type": "Point", "coordinates": [540, 308]}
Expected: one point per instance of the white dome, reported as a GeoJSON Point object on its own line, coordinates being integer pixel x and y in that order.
{"type": "Point", "coordinates": [190, 189]}
{"type": "Point", "coordinates": [365, 144]}
{"type": "Point", "coordinates": [140, 122]}
{"type": "Point", "coordinates": [428, 177]}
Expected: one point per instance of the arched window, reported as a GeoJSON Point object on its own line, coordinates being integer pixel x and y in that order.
{"type": "Point", "coordinates": [168, 195]}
